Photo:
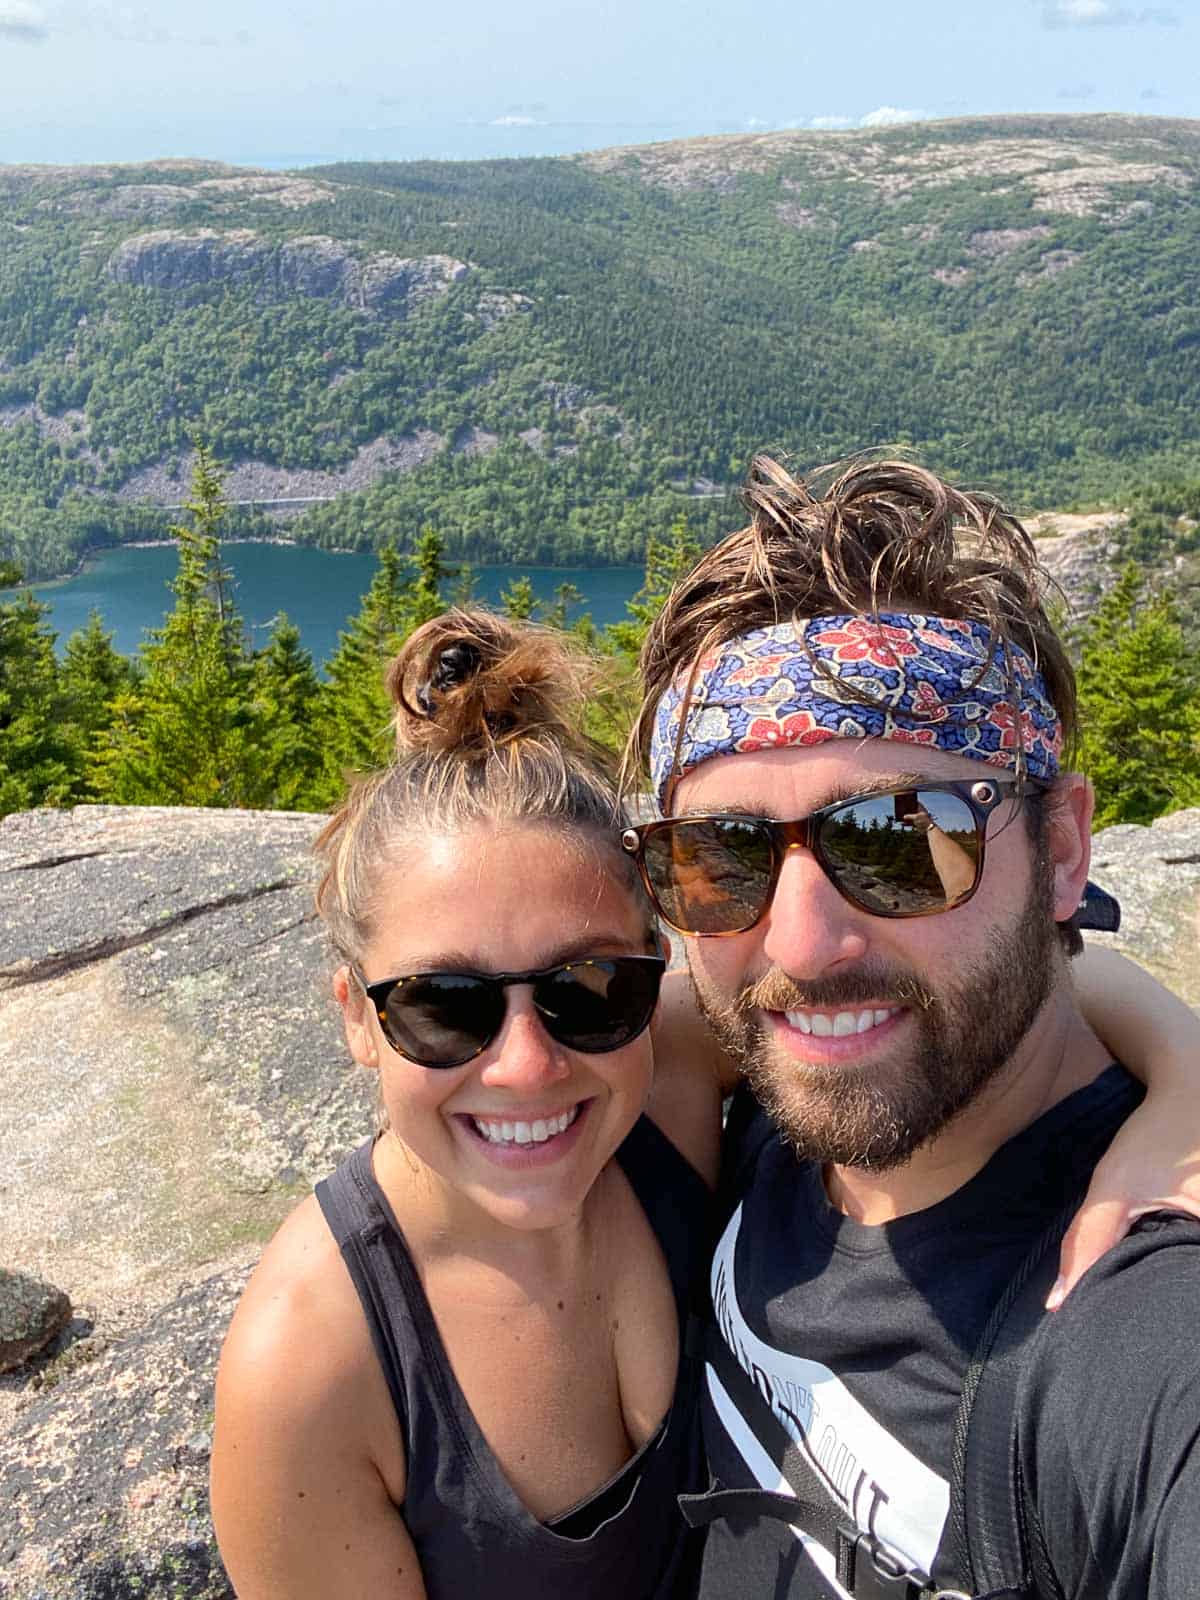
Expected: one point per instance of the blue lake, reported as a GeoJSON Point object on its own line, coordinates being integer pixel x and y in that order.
{"type": "Point", "coordinates": [318, 590]}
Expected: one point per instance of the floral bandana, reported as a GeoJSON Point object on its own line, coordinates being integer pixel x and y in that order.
{"type": "Point", "coordinates": [893, 676]}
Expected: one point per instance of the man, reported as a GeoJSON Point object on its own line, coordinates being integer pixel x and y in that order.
{"type": "Point", "coordinates": [856, 717]}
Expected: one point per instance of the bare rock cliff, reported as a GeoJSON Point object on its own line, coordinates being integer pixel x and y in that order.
{"type": "Point", "coordinates": [175, 1082]}
{"type": "Point", "coordinates": [314, 267]}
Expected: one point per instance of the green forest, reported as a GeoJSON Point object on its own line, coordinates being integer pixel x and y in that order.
{"type": "Point", "coordinates": [551, 359]}
{"type": "Point", "coordinates": [199, 717]}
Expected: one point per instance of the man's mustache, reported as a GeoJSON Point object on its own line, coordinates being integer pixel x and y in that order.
{"type": "Point", "coordinates": [777, 991]}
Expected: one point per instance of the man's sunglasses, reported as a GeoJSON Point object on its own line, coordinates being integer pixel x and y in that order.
{"type": "Point", "coordinates": [444, 1019]}
{"type": "Point", "coordinates": [909, 852]}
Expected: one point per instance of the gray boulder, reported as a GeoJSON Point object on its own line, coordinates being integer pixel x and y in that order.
{"type": "Point", "coordinates": [32, 1313]}
{"type": "Point", "coordinates": [176, 1080]}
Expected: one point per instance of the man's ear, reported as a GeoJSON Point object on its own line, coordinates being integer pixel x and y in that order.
{"type": "Point", "coordinates": [357, 1022]}
{"type": "Point", "coordinates": [1069, 806]}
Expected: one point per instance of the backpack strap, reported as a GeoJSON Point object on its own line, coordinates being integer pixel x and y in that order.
{"type": "Point", "coordinates": [996, 1549]}
{"type": "Point", "coordinates": [866, 1568]}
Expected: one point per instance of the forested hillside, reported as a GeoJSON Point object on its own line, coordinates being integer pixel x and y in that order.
{"type": "Point", "coordinates": [547, 360]}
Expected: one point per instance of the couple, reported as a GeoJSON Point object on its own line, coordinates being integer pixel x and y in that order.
{"type": "Point", "coordinates": [470, 1361]}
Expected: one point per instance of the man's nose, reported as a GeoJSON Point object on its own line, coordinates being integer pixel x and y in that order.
{"type": "Point", "coordinates": [809, 929]}
{"type": "Point", "coordinates": [524, 1057]}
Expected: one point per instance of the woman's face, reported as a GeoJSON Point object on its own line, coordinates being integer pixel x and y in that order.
{"type": "Point", "coordinates": [516, 898]}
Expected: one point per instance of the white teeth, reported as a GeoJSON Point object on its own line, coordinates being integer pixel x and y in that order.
{"type": "Point", "coordinates": [839, 1024]}
{"type": "Point", "coordinates": [525, 1132]}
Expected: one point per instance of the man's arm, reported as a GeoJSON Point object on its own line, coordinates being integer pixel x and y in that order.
{"type": "Point", "coordinates": [1110, 1422]}
{"type": "Point", "coordinates": [1154, 1162]}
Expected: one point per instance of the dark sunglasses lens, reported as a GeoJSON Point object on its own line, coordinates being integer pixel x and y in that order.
{"type": "Point", "coordinates": [444, 1018]}
{"type": "Point", "coordinates": [595, 1006]}
{"type": "Point", "coordinates": [710, 876]}
{"type": "Point", "coordinates": [900, 855]}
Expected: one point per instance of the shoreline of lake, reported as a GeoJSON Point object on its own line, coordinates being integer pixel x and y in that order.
{"type": "Point", "coordinates": [128, 583]}
{"type": "Point", "coordinates": [88, 557]}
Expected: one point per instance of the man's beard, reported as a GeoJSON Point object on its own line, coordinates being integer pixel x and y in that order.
{"type": "Point", "coordinates": [877, 1114]}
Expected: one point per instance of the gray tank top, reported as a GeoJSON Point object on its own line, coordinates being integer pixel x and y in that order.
{"type": "Point", "coordinates": [626, 1540]}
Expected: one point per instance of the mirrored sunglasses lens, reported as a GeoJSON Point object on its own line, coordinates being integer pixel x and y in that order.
{"type": "Point", "coordinates": [903, 854]}
{"type": "Point", "coordinates": [710, 876]}
{"type": "Point", "coordinates": [443, 1019]}
{"type": "Point", "coordinates": [598, 1005]}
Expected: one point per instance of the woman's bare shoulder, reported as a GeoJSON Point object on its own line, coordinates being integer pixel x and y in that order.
{"type": "Point", "coordinates": [308, 1459]}
{"type": "Point", "coordinates": [299, 1349]}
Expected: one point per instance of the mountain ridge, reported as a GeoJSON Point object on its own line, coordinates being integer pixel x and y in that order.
{"type": "Point", "coordinates": [1016, 299]}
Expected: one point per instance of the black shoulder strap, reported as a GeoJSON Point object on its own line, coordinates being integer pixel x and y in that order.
{"type": "Point", "coordinates": [866, 1569]}
{"type": "Point", "coordinates": [996, 1555]}
{"type": "Point", "coordinates": [996, 1550]}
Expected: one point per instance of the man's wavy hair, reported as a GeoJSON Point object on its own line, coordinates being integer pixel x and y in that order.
{"type": "Point", "coordinates": [864, 536]}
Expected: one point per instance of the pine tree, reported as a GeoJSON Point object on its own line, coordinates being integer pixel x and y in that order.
{"type": "Point", "coordinates": [92, 676]}
{"type": "Point", "coordinates": [426, 598]}
{"type": "Point", "coordinates": [667, 560]}
{"type": "Point", "coordinates": [37, 760]}
{"type": "Point", "coordinates": [355, 712]}
{"type": "Point", "coordinates": [517, 601]}
{"type": "Point", "coordinates": [287, 694]}
{"type": "Point", "coordinates": [1139, 706]}
{"type": "Point", "coordinates": [188, 732]}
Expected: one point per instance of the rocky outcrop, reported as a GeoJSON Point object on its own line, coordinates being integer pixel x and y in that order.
{"type": "Point", "coordinates": [316, 267]}
{"type": "Point", "coordinates": [175, 1080]}
{"type": "Point", "coordinates": [1081, 553]}
{"type": "Point", "coordinates": [1155, 873]}
{"type": "Point", "coordinates": [170, 483]}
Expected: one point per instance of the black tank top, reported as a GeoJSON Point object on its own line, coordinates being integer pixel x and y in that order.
{"type": "Point", "coordinates": [627, 1540]}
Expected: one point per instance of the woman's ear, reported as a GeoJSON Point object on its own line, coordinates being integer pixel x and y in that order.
{"type": "Point", "coordinates": [358, 1024]}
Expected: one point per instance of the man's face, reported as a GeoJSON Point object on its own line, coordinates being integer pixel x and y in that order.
{"type": "Point", "coordinates": [863, 1036]}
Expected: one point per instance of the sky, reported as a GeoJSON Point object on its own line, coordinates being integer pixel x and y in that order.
{"type": "Point", "coordinates": [295, 82]}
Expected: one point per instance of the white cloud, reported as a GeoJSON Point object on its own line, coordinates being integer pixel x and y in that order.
{"type": "Point", "coordinates": [23, 22]}
{"type": "Point", "coordinates": [512, 121]}
{"type": "Point", "coordinates": [891, 117]}
{"type": "Point", "coordinates": [831, 124]}
{"type": "Point", "coordinates": [1102, 14]}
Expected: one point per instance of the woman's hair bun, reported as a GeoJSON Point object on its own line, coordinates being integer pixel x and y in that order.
{"type": "Point", "coordinates": [470, 680]}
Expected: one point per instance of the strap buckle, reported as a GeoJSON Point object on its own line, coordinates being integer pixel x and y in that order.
{"type": "Point", "coordinates": [870, 1571]}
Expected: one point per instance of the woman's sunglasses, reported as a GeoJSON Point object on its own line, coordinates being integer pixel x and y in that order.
{"type": "Point", "coordinates": [444, 1019]}
{"type": "Point", "coordinates": [905, 853]}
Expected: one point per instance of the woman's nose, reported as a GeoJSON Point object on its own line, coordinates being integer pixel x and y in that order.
{"type": "Point", "coordinates": [524, 1057]}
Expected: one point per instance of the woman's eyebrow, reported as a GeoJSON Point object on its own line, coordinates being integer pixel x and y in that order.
{"type": "Point", "coordinates": [598, 944]}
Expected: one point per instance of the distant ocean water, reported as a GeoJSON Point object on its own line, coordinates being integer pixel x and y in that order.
{"type": "Point", "coordinates": [476, 141]}
{"type": "Point", "coordinates": [320, 591]}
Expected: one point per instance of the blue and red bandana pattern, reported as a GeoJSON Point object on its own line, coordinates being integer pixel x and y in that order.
{"type": "Point", "coordinates": [893, 676]}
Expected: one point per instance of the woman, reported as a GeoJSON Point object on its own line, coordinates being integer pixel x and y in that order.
{"type": "Point", "coordinates": [461, 1363]}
